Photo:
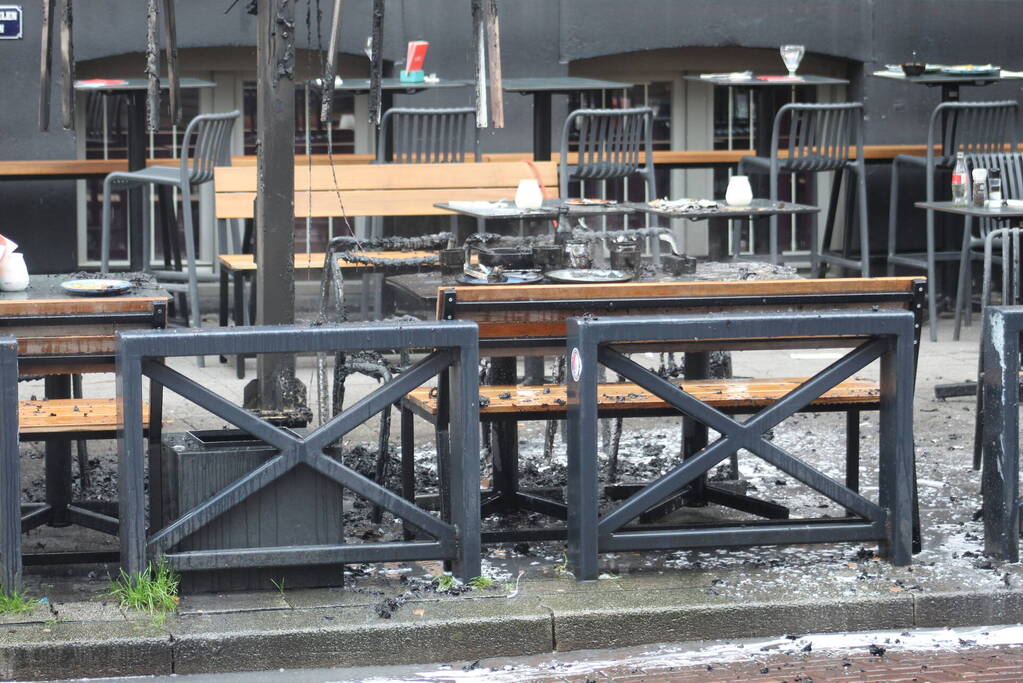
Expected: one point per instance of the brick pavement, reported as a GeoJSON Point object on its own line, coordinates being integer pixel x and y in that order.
{"type": "Point", "coordinates": [985, 665]}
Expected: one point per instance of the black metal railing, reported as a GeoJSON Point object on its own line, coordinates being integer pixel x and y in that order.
{"type": "Point", "coordinates": [452, 349]}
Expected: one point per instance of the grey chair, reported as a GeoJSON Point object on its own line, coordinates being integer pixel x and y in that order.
{"type": "Point", "coordinates": [974, 242]}
{"type": "Point", "coordinates": [1010, 242]}
{"type": "Point", "coordinates": [971, 127]}
{"type": "Point", "coordinates": [205, 145]}
{"type": "Point", "coordinates": [428, 136]}
{"type": "Point", "coordinates": [420, 136]}
{"type": "Point", "coordinates": [613, 144]}
{"type": "Point", "coordinates": [820, 138]}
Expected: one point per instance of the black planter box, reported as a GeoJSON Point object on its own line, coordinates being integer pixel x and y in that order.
{"type": "Point", "coordinates": [301, 508]}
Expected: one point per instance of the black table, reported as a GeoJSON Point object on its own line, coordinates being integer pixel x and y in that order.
{"type": "Point", "coordinates": [135, 91]}
{"type": "Point", "coordinates": [950, 83]}
{"type": "Point", "coordinates": [767, 89]}
{"type": "Point", "coordinates": [758, 208]}
{"type": "Point", "coordinates": [389, 87]}
{"type": "Point", "coordinates": [542, 89]}
{"type": "Point", "coordinates": [550, 209]}
{"type": "Point", "coordinates": [420, 291]}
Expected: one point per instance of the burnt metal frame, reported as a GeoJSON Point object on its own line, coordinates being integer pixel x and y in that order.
{"type": "Point", "coordinates": [999, 355]}
{"type": "Point", "coordinates": [888, 335]}
{"type": "Point", "coordinates": [455, 356]}
{"type": "Point", "coordinates": [10, 469]}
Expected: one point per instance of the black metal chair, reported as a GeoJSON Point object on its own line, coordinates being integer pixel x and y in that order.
{"type": "Point", "coordinates": [971, 127]}
{"type": "Point", "coordinates": [820, 138]}
{"type": "Point", "coordinates": [974, 242]}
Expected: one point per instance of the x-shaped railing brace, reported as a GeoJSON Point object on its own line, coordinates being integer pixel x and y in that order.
{"type": "Point", "coordinates": [749, 435]}
{"type": "Point", "coordinates": [295, 451]}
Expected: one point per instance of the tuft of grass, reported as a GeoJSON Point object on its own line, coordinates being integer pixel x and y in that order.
{"type": "Point", "coordinates": [154, 590]}
{"type": "Point", "coordinates": [445, 583]}
{"type": "Point", "coordinates": [561, 568]}
{"type": "Point", "coordinates": [481, 582]}
{"type": "Point", "coordinates": [13, 602]}
{"type": "Point", "coordinates": [278, 586]}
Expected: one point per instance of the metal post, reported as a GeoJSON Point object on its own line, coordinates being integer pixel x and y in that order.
{"type": "Point", "coordinates": [58, 459]}
{"type": "Point", "coordinates": [275, 201]}
{"type": "Point", "coordinates": [10, 471]}
{"type": "Point", "coordinates": [131, 464]}
{"type": "Point", "coordinates": [582, 492]}
{"type": "Point", "coordinates": [1000, 478]}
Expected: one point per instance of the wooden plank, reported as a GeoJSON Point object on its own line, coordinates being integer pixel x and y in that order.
{"type": "Point", "coordinates": [133, 304]}
{"type": "Point", "coordinates": [68, 345]}
{"type": "Point", "coordinates": [83, 167]}
{"type": "Point", "coordinates": [552, 323]}
{"type": "Point", "coordinates": [314, 261]}
{"type": "Point", "coordinates": [721, 393]}
{"type": "Point", "coordinates": [364, 202]}
{"type": "Point", "coordinates": [637, 290]}
{"type": "Point", "coordinates": [28, 368]}
{"type": "Point", "coordinates": [71, 415]}
{"type": "Point", "coordinates": [394, 176]}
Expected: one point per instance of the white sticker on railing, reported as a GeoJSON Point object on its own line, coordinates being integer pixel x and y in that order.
{"type": "Point", "coordinates": [576, 363]}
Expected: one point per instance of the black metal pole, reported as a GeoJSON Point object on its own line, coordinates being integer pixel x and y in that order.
{"type": "Point", "coordinates": [275, 201]}
{"type": "Point", "coordinates": [136, 162]}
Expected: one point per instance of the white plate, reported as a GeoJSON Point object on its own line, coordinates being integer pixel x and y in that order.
{"type": "Point", "coordinates": [98, 287]}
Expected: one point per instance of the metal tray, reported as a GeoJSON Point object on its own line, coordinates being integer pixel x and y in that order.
{"type": "Point", "coordinates": [588, 275]}
{"type": "Point", "coordinates": [512, 277]}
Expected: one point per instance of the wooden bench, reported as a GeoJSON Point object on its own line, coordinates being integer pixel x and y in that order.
{"type": "Point", "coordinates": [71, 418]}
{"type": "Point", "coordinates": [523, 320]}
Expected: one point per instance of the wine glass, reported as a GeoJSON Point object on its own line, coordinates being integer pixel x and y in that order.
{"type": "Point", "coordinates": [792, 55]}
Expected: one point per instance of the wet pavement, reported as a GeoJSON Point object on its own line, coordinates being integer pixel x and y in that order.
{"type": "Point", "coordinates": [979, 654]}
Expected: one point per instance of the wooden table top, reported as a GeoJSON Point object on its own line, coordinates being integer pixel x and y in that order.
{"type": "Point", "coordinates": [61, 333]}
{"type": "Point", "coordinates": [44, 296]}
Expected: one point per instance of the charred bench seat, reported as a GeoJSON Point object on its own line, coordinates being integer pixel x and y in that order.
{"type": "Point", "coordinates": [550, 401]}
{"type": "Point", "coordinates": [73, 418]}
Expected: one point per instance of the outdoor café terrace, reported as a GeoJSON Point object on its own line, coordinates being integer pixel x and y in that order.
{"type": "Point", "coordinates": [451, 403]}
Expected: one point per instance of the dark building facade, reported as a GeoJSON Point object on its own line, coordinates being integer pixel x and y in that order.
{"type": "Point", "coordinates": [652, 43]}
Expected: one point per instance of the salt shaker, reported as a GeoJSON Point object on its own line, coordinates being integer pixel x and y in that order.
{"type": "Point", "coordinates": [979, 187]}
{"type": "Point", "coordinates": [994, 185]}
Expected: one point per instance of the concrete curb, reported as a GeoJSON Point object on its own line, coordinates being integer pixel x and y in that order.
{"type": "Point", "coordinates": [456, 630]}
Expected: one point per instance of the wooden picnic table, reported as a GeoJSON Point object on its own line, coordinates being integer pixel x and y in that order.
{"type": "Point", "coordinates": [60, 335]}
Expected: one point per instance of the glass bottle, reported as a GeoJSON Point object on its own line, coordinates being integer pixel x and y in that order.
{"type": "Point", "coordinates": [960, 181]}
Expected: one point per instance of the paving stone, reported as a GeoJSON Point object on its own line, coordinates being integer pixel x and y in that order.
{"type": "Point", "coordinates": [232, 602]}
{"type": "Point", "coordinates": [88, 611]}
{"type": "Point", "coordinates": [39, 613]}
{"type": "Point", "coordinates": [93, 650]}
{"type": "Point", "coordinates": [635, 617]}
{"type": "Point", "coordinates": [357, 636]}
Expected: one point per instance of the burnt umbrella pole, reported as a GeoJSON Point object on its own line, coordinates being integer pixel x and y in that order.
{"type": "Point", "coordinates": [276, 393]}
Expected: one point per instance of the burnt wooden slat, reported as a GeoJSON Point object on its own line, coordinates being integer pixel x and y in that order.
{"type": "Point", "coordinates": [723, 394]}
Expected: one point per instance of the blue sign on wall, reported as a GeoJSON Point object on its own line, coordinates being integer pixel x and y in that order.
{"type": "Point", "coordinates": [10, 22]}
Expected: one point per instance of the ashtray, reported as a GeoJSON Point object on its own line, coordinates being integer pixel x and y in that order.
{"type": "Point", "coordinates": [914, 68]}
